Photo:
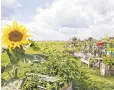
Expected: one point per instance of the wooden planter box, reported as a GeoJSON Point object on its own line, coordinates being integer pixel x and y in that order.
{"type": "Point", "coordinates": [105, 70]}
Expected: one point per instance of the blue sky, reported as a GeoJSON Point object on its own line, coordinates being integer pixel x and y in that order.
{"type": "Point", "coordinates": [22, 10]}
{"type": "Point", "coordinates": [61, 19]}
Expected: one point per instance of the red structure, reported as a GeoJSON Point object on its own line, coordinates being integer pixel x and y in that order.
{"type": "Point", "coordinates": [100, 44]}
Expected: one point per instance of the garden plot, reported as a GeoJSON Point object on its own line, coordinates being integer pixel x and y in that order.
{"type": "Point", "coordinates": [42, 78]}
{"type": "Point", "coordinates": [58, 68]}
{"type": "Point", "coordinates": [87, 59]}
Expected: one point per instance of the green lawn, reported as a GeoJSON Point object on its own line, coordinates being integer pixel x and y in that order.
{"type": "Point", "coordinates": [94, 74]}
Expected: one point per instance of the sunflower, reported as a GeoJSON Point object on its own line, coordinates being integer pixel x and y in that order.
{"type": "Point", "coordinates": [15, 35]}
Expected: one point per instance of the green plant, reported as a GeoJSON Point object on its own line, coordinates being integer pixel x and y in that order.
{"type": "Point", "coordinates": [34, 45]}
{"type": "Point", "coordinates": [63, 66]}
{"type": "Point", "coordinates": [108, 60]}
{"type": "Point", "coordinates": [15, 55]}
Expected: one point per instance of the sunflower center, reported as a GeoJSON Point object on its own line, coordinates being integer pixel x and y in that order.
{"type": "Point", "coordinates": [15, 36]}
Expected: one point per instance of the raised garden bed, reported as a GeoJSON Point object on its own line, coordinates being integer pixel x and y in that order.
{"type": "Point", "coordinates": [105, 70]}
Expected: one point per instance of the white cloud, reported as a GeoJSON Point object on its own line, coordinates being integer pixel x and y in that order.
{"type": "Point", "coordinates": [10, 3]}
{"type": "Point", "coordinates": [83, 18]}
{"type": "Point", "coordinates": [4, 22]}
{"type": "Point", "coordinates": [64, 18]}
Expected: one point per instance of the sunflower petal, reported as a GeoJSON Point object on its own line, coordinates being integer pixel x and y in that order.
{"type": "Point", "coordinates": [15, 25]}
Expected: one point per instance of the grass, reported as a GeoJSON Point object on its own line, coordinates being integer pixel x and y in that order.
{"type": "Point", "coordinates": [94, 74]}
{"type": "Point", "coordinates": [4, 58]}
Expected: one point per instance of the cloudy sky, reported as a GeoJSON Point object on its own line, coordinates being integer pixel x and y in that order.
{"type": "Point", "coordinates": [61, 19]}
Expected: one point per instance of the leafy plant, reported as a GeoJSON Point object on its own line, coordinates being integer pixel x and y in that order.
{"type": "Point", "coordinates": [34, 45]}
{"type": "Point", "coordinates": [108, 60]}
{"type": "Point", "coordinates": [61, 65]}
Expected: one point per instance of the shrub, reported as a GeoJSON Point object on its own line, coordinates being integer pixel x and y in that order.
{"type": "Point", "coordinates": [63, 66]}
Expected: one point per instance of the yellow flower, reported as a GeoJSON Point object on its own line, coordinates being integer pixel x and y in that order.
{"type": "Point", "coordinates": [15, 35]}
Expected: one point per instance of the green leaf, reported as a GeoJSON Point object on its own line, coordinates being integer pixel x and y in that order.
{"type": "Point", "coordinates": [48, 86]}
{"type": "Point", "coordinates": [9, 68]}
{"type": "Point", "coordinates": [34, 46]}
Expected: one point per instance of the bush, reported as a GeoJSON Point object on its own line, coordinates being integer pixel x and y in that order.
{"type": "Point", "coordinates": [62, 65]}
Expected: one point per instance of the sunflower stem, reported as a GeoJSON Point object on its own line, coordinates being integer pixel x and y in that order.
{"type": "Point", "coordinates": [9, 74]}
{"type": "Point", "coordinates": [15, 73]}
